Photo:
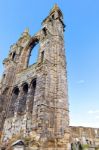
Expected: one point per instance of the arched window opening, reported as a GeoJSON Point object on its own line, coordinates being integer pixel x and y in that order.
{"type": "Point", "coordinates": [25, 88]}
{"type": "Point", "coordinates": [45, 31]}
{"type": "Point", "coordinates": [15, 94]}
{"type": "Point", "coordinates": [53, 17]}
{"type": "Point", "coordinates": [33, 54]}
{"type": "Point", "coordinates": [13, 56]}
{"type": "Point", "coordinates": [34, 83]}
{"type": "Point", "coordinates": [16, 91]}
{"type": "Point", "coordinates": [22, 100]}
{"type": "Point", "coordinates": [33, 87]}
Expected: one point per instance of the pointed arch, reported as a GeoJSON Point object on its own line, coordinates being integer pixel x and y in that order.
{"type": "Point", "coordinates": [33, 51]}
{"type": "Point", "coordinates": [23, 98]}
{"type": "Point", "coordinates": [32, 94]}
{"type": "Point", "coordinates": [14, 97]}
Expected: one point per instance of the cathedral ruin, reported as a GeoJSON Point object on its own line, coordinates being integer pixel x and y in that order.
{"type": "Point", "coordinates": [34, 108]}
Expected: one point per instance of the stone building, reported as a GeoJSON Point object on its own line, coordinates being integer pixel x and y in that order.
{"type": "Point", "coordinates": [34, 99]}
{"type": "Point", "coordinates": [34, 109]}
{"type": "Point", "coordinates": [85, 135]}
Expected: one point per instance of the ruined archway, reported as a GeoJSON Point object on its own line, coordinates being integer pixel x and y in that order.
{"type": "Point", "coordinates": [22, 99]}
{"type": "Point", "coordinates": [14, 97]}
{"type": "Point", "coordinates": [33, 49]}
{"type": "Point", "coordinates": [31, 96]}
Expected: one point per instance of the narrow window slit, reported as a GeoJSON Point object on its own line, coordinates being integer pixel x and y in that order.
{"type": "Point", "coordinates": [13, 56]}
{"type": "Point", "coordinates": [45, 31]}
{"type": "Point", "coordinates": [42, 56]}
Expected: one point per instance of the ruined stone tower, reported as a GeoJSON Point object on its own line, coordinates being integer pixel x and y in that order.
{"type": "Point", "coordinates": [34, 99]}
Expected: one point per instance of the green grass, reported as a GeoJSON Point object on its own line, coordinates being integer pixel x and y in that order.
{"type": "Point", "coordinates": [85, 146]}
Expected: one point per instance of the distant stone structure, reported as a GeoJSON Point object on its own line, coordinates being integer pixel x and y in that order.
{"type": "Point", "coordinates": [85, 135]}
{"type": "Point", "coordinates": [34, 109]}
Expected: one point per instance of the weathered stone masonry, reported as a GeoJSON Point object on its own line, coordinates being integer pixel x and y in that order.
{"type": "Point", "coordinates": [34, 109]}
{"type": "Point", "coordinates": [34, 98]}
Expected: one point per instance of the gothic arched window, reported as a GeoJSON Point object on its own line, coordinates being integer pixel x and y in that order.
{"type": "Point", "coordinates": [23, 98]}
{"type": "Point", "coordinates": [32, 95]}
{"type": "Point", "coordinates": [13, 55]}
{"type": "Point", "coordinates": [14, 97]}
{"type": "Point", "coordinates": [33, 55]}
{"type": "Point", "coordinates": [25, 88]}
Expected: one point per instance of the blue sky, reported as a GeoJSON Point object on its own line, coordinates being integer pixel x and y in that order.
{"type": "Point", "coordinates": [81, 43]}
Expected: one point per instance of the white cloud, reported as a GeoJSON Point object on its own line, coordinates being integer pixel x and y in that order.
{"type": "Point", "coordinates": [81, 81]}
{"type": "Point", "coordinates": [93, 111]}
{"type": "Point", "coordinates": [97, 117]}
{"type": "Point", "coordinates": [93, 124]}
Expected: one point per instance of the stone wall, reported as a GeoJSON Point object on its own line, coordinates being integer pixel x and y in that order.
{"type": "Point", "coordinates": [34, 109]}
{"type": "Point", "coordinates": [36, 97]}
{"type": "Point", "coordinates": [84, 135]}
